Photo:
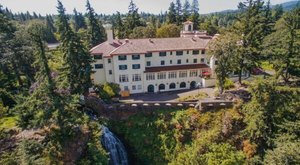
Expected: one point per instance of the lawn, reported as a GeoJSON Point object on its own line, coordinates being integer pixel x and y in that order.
{"type": "Point", "coordinates": [8, 122]}
{"type": "Point", "coordinates": [267, 66]}
{"type": "Point", "coordinates": [200, 95]}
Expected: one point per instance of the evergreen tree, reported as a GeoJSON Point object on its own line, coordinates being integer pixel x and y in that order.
{"type": "Point", "coordinates": [277, 12]}
{"type": "Point", "coordinates": [195, 13]}
{"type": "Point", "coordinates": [268, 20]}
{"type": "Point", "coordinates": [28, 16]}
{"type": "Point", "coordinates": [95, 30]}
{"type": "Point", "coordinates": [76, 68]}
{"type": "Point", "coordinates": [50, 30]}
{"type": "Point", "coordinates": [132, 19]}
{"type": "Point", "coordinates": [283, 47]}
{"type": "Point", "coordinates": [79, 21]}
{"type": "Point", "coordinates": [172, 14]}
{"type": "Point", "coordinates": [178, 8]}
{"type": "Point", "coordinates": [35, 16]}
{"type": "Point", "coordinates": [186, 10]}
{"type": "Point", "coordinates": [119, 26]}
{"type": "Point", "coordinates": [249, 27]}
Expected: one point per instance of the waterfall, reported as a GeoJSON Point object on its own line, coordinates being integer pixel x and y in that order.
{"type": "Point", "coordinates": [114, 146]}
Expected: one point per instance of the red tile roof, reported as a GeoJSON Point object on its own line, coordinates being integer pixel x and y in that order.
{"type": "Point", "coordinates": [176, 67]}
{"type": "Point", "coordinates": [138, 46]}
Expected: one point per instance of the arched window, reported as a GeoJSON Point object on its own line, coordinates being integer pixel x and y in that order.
{"type": "Point", "coordinates": [151, 88]}
{"type": "Point", "coordinates": [162, 87]}
{"type": "Point", "coordinates": [183, 85]}
{"type": "Point", "coordinates": [193, 85]}
{"type": "Point", "coordinates": [172, 86]}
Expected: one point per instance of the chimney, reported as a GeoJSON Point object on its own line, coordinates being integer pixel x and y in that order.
{"type": "Point", "coordinates": [109, 32]}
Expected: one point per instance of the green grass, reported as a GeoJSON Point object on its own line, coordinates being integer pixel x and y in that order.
{"type": "Point", "coordinates": [201, 95]}
{"type": "Point", "coordinates": [266, 65]}
{"type": "Point", "coordinates": [8, 122]}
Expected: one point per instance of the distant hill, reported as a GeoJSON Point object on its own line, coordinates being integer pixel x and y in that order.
{"type": "Point", "coordinates": [289, 5]}
{"type": "Point", "coordinates": [286, 6]}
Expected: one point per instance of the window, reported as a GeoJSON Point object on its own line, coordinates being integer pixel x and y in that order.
{"type": "Point", "coordinates": [150, 76]}
{"type": "Point", "coordinates": [171, 53]}
{"type": "Point", "coordinates": [98, 66]}
{"type": "Point", "coordinates": [178, 61]}
{"type": "Point", "coordinates": [202, 60]}
{"type": "Point", "coordinates": [122, 67]}
{"type": "Point", "coordinates": [195, 52]}
{"type": "Point", "coordinates": [126, 88]}
{"type": "Point", "coordinates": [182, 74]}
{"type": "Point", "coordinates": [98, 57]}
{"type": "Point", "coordinates": [161, 76]}
{"type": "Point", "coordinates": [188, 52]}
{"type": "Point", "coordinates": [123, 78]}
{"type": "Point", "coordinates": [193, 73]}
{"type": "Point", "coordinates": [172, 75]}
{"type": "Point", "coordinates": [136, 57]}
{"type": "Point", "coordinates": [136, 77]}
{"type": "Point", "coordinates": [202, 51]}
{"type": "Point", "coordinates": [110, 72]}
{"type": "Point", "coordinates": [136, 66]}
{"type": "Point", "coordinates": [179, 53]}
{"type": "Point", "coordinates": [195, 60]}
{"type": "Point", "coordinates": [187, 60]}
{"type": "Point", "coordinates": [162, 62]}
{"type": "Point", "coordinates": [182, 85]}
{"type": "Point", "coordinates": [171, 61]}
{"type": "Point", "coordinates": [122, 57]}
{"type": "Point", "coordinates": [216, 62]}
{"type": "Point", "coordinates": [149, 54]}
{"type": "Point", "coordinates": [139, 87]}
{"type": "Point", "coordinates": [133, 87]}
{"type": "Point", "coordinates": [162, 54]}
{"type": "Point", "coordinates": [148, 63]}
{"type": "Point", "coordinates": [109, 60]}
{"type": "Point", "coordinates": [172, 86]}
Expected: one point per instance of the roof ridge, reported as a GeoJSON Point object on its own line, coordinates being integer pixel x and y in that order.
{"type": "Point", "coordinates": [117, 48]}
{"type": "Point", "coordinates": [97, 46]}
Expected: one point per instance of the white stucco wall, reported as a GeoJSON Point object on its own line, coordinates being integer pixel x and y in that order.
{"type": "Point", "coordinates": [99, 74]}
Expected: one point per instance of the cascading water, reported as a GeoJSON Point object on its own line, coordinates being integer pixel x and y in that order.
{"type": "Point", "coordinates": [114, 146]}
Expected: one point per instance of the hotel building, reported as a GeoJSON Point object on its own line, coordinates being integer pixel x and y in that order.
{"type": "Point", "coordinates": [154, 64]}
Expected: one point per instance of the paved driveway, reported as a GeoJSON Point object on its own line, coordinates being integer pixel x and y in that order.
{"type": "Point", "coordinates": [166, 96]}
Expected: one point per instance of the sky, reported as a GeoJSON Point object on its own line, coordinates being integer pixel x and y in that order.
{"type": "Point", "coordinates": [44, 7]}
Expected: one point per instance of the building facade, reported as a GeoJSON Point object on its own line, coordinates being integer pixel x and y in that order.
{"type": "Point", "coordinates": [154, 65]}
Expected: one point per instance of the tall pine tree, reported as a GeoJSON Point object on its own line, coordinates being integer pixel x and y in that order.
{"type": "Point", "coordinates": [186, 10]}
{"type": "Point", "coordinates": [178, 12]}
{"type": "Point", "coordinates": [250, 27]}
{"type": "Point", "coordinates": [79, 21]}
{"type": "Point", "coordinates": [172, 13]}
{"type": "Point", "coordinates": [132, 19]}
{"type": "Point", "coordinates": [76, 68]}
{"type": "Point", "coordinates": [195, 13]}
{"type": "Point", "coordinates": [95, 30]}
